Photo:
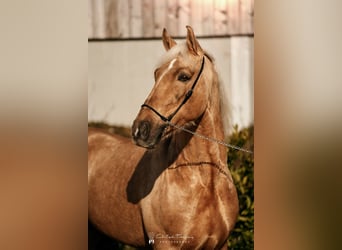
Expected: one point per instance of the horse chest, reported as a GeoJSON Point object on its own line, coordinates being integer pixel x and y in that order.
{"type": "Point", "coordinates": [178, 198]}
{"type": "Point", "coordinates": [191, 209]}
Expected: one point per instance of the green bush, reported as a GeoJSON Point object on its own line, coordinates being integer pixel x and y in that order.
{"type": "Point", "coordinates": [121, 130]}
{"type": "Point", "coordinates": [241, 165]}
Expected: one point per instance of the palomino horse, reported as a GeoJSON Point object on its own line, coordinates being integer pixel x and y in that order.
{"type": "Point", "coordinates": [171, 190]}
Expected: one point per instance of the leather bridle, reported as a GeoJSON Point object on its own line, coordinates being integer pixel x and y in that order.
{"type": "Point", "coordinates": [186, 98]}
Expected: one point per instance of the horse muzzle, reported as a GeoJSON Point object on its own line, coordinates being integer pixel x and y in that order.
{"type": "Point", "coordinates": [145, 134]}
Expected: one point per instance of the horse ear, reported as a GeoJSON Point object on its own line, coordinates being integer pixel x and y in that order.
{"type": "Point", "coordinates": [192, 42]}
{"type": "Point", "coordinates": [167, 40]}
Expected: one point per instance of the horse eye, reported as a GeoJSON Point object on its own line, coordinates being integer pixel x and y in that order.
{"type": "Point", "coordinates": [183, 77]}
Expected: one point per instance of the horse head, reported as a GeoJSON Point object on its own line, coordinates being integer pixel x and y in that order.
{"type": "Point", "coordinates": [180, 74]}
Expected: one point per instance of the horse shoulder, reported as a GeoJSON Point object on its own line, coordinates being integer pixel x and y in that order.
{"type": "Point", "coordinates": [216, 212]}
{"type": "Point", "coordinates": [228, 203]}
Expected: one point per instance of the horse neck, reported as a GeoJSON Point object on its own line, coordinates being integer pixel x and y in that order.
{"type": "Point", "coordinates": [210, 124]}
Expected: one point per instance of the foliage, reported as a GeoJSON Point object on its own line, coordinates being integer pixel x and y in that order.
{"type": "Point", "coordinates": [241, 165]}
{"type": "Point", "coordinates": [121, 130]}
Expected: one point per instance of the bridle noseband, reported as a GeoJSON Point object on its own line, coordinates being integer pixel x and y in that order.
{"type": "Point", "coordinates": [186, 98]}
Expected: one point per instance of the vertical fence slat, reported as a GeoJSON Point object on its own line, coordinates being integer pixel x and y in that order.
{"type": "Point", "coordinates": [220, 17]}
{"type": "Point", "coordinates": [159, 17]}
{"type": "Point", "coordinates": [184, 16]}
{"type": "Point", "coordinates": [252, 15]}
{"type": "Point", "coordinates": [241, 71]}
{"type": "Point", "coordinates": [232, 17]}
{"type": "Point", "coordinates": [196, 17]}
{"type": "Point", "coordinates": [111, 18]}
{"type": "Point", "coordinates": [207, 20]}
{"type": "Point", "coordinates": [123, 16]}
{"type": "Point", "coordinates": [136, 18]}
{"type": "Point", "coordinates": [172, 17]}
{"type": "Point", "coordinates": [251, 79]}
{"type": "Point", "coordinates": [148, 18]}
{"type": "Point", "coordinates": [246, 18]}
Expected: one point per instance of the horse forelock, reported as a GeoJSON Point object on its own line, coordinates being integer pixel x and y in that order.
{"type": "Point", "coordinates": [180, 48]}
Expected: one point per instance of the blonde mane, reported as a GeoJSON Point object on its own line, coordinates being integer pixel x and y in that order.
{"type": "Point", "coordinates": [226, 110]}
{"type": "Point", "coordinates": [225, 105]}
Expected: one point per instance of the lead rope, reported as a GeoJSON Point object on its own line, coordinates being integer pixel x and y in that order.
{"type": "Point", "coordinates": [209, 138]}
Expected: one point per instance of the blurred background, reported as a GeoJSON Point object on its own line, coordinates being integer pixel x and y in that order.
{"type": "Point", "coordinates": [125, 44]}
{"type": "Point", "coordinates": [43, 107]}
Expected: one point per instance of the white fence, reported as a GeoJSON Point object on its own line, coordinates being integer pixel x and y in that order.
{"type": "Point", "coordinates": [121, 76]}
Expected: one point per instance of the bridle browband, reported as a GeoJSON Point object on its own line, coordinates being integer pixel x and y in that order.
{"type": "Point", "coordinates": [186, 98]}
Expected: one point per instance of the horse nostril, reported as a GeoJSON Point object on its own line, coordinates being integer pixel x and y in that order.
{"type": "Point", "coordinates": [144, 130]}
